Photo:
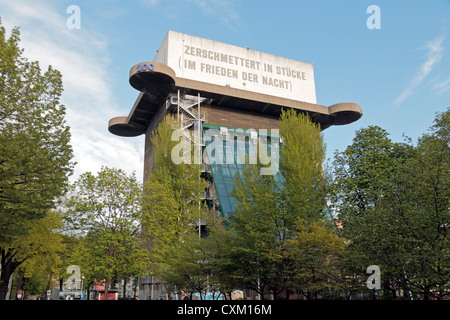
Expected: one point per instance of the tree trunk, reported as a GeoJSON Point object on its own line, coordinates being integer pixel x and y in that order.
{"type": "Point", "coordinates": [124, 288]}
{"type": "Point", "coordinates": [275, 294]}
{"type": "Point", "coordinates": [49, 285]}
{"type": "Point", "coordinates": [8, 266]}
{"type": "Point", "coordinates": [427, 293]}
{"type": "Point", "coordinates": [106, 289]}
{"type": "Point", "coordinates": [4, 281]}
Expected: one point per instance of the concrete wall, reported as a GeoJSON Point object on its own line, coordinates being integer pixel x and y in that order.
{"type": "Point", "coordinates": [223, 64]}
{"type": "Point", "coordinates": [239, 118]}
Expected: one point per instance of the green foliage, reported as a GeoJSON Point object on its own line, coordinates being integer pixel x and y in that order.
{"type": "Point", "coordinates": [393, 200]}
{"type": "Point", "coordinates": [301, 156]}
{"type": "Point", "coordinates": [189, 268]}
{"type": "Point", "coordinates": [267, 215]}
{"type": "Point", "coordinates": [262, 247]}
{"type": "Point", "coordinates": [36, 254]}
{"type": "Point", "coordinates": [42, 245]}
{"type": "Point", "coordinates": [35, 151]}
{"type": "Point", "coordinates": [172, 203]}
{"type": "Point", "coordinates": [312, 257]}
{"type": "Point", "coordinates": [107, 207]}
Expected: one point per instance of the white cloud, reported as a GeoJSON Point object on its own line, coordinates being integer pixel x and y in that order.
{"type": "Point", "coordinates": [441, 87]}
{"type": "Point", "coordinates": [434, 55]}
{"type": "Point", "coordinates": [83, 59]}
{"type": "Point", "coordinates": [222, 11]}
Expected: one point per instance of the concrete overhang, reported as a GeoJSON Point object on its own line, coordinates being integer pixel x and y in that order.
{"type": "Point", "coordinates": [157, 81]}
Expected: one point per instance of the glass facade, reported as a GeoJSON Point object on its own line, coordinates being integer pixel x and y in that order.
{"type": "Point", "coordinates": [228, 149]}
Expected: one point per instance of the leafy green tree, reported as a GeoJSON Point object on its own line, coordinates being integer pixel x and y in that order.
{"type": "Point", "coordinates": [302, 154]}
{"type": "Point", "coordinates": [268, 211]}
{"type": "Point", "coordinates": [35, 151]}
{"type": "Point", "coordinates": [416, 202]}
{"type": "Point", "coordinates": [314, 255]}
{"type": "Point", "coordinates": [38, 249]}
{"type": "Point", "coordinates": [355, 168]}
{"type": "Point", "coordinates": [222, 251]}
{"type": "Point", "coordinates": [434, 193]}
{"type": "Point", "coordinates": [190, 269]}
{"type": "Point", "coordinates": [257, 228]}
{"type": "Point", "coordinates": [393, 203]}
{"type": "Point", "coordinates": [108, 207]}
{"type": "Point", "coordinates": [354, 195]}
{"type": "Point", "coordinates": [172, 196]}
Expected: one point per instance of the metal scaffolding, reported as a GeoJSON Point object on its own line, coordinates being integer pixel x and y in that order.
{"type": "Point", "coordinates": [190, 119]}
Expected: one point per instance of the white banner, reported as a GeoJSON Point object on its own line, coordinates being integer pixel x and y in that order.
{"type": "Point", "coordinates": [228, 65]}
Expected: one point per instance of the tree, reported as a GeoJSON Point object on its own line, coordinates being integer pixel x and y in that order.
{"type": "Point", "coordinates": [41, 245]}
{"type": "Point", "coordinates": [422, 210]}
{"type": "Point", "coordinates": [268, 209]}
{"type": "Point", "coordinates": [108, 207]}
{"type": "Point", "coordinates": [172, 196]}
{"type": "Point", "coordinates": [301, 157]}
{"type": "Point", "coordinates": [257, 228]}
{"type": "Point", "coordinates": [314, 254]}
{"type": "Point", "coordinates": [35, 151]}
{"type": "Point", "coordinates": [393, 201]}
{"type": "Point", "coordinates": [190, 269]}
{"type": "Point", "coordinates": [355, 168]}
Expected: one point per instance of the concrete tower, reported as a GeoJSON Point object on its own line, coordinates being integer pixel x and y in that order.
{"type": "Point", "coordinates": [210, 85]}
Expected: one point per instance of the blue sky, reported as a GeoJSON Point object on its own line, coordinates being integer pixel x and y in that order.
{"type": "Point", "coordinates": [399, 74]}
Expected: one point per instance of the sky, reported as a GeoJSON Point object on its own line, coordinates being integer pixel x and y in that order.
{"type": "Point", "coordinates": [399, 72]}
